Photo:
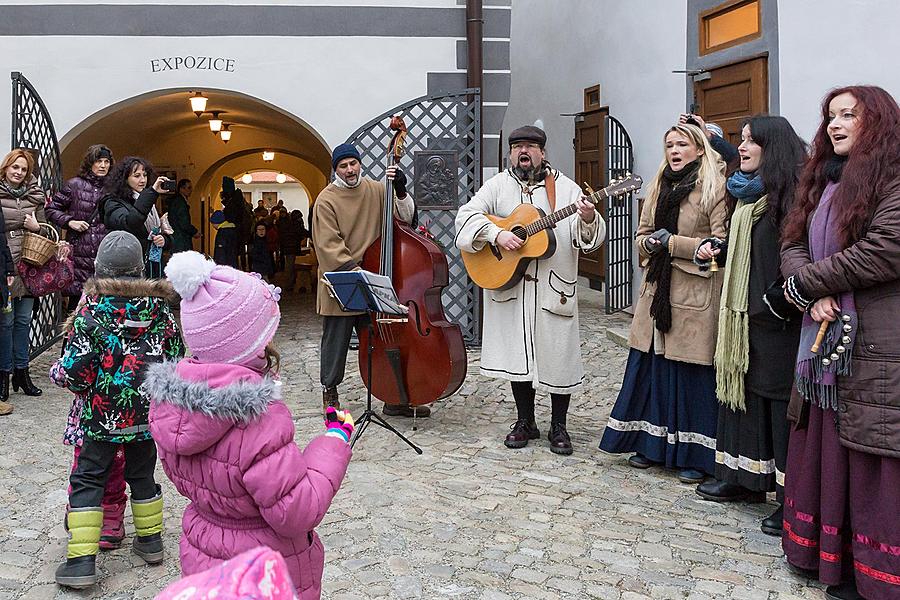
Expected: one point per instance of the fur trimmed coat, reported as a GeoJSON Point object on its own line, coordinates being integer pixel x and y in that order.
{"type": "Point", "coordinates": [531, 330]}
{"type": "Point", "coordinates": [120, 327]}
{"type": "Point", "coordinates": [226, 440]}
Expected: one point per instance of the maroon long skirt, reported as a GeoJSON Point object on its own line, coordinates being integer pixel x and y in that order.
{"type": "Point", "coordinates": [842, 510]}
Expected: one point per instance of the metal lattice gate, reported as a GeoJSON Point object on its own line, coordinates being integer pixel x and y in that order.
{"type": "Point", "coordinates": [32, 129]}
{"type": "Point", "coordinates": [443, 164]}
{"type": "Point", "coordinates": [620, 247]}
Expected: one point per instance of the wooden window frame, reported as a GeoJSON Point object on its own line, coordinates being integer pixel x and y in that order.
{"type": "Point", "coordinates": [723, 8]}
{"type": "Point", "coordinates": [588, 105]}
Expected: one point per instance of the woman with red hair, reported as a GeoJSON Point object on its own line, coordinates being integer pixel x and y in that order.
{"type": "Point", "coordinates": [841, 261]}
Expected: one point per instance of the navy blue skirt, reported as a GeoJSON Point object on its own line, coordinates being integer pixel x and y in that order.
{"type": "Point", "coordinates": [667, 411]}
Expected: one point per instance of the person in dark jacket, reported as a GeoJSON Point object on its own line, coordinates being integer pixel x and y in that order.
{"type": "Point", "coordinates": [758, 329]}
{"type": "Point", "coordinates": [291, 234]}
{"type": "Point", "coordinates": [129, 204]}
{"type": "Point", "coordinates": [841, 262]}
{"type": "Point", "coordinates": [228, 225]}
{"type": "Point", "coordinates": [179, 212]}
{"type": "Point", "coordinates": [123, 326]}
{"type": "Point", "coordinates": [74, 208]}
{"type": "Point", "coordinates": [261, 260]}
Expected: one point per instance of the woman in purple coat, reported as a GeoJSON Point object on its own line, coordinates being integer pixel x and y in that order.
{"type": "Point", "coordinates": [74, 208]}
{"type": "Point", "coordinates": [226, 439]}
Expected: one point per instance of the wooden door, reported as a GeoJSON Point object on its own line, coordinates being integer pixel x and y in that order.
{"type": "Point", "coordinates": [732, 94]}
{"type": "Point", "coordinates": [590, 157]}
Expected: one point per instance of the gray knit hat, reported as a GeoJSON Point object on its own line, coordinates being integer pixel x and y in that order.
{"type": "Point", "coordinates": [119, 255]}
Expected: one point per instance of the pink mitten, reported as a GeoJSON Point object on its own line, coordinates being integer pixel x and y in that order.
{"type": "Point", "coordinates": [339, 423]}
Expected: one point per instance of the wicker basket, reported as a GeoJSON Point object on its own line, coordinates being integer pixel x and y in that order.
{"type": "Point", "coordinates": [37, 249]}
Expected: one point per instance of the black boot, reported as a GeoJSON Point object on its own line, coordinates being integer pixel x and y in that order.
{"type": "Point", "coordinates": [4, 386]}
{"type": "Point", "coordinates": [21, 379]}
{"type": "Point", "coordinates": [721, 491]}
{"type": "Point", "coordinates": [78, 573]}
{"type": "Point", "coordinates": [844, 591]}
{"type": "Point", "coordinates": [149, 547]}
{"type": "Point", "coordinates": [771, 525]}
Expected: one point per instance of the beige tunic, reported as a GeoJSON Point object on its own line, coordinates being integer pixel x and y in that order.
{"type": "Point", "coordinates": [531, 330]}
{"type": "Point", "coordinates": [345, 222]}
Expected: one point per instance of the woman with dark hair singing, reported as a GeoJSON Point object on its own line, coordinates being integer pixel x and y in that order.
{"type": "Point", "coordinates": [841, 259]}
{"type": "Point", "coordinates": [130, 205]}
{"type": "Point", "coordinates": [758, 329]}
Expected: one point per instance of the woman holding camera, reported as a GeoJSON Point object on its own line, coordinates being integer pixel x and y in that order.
{"type": "Point", "coordinates": [666, 409]}
{"type": "Point", "coordinates": [758, 329]}
{"type": "Point", "coordinates": [74, 208]}
{"type": "Point", "coordinates": [841, 259]}
{"type": "Point", "coordinates": [22, 199]}
{"type": "Point", "coordinates": [130, 205]}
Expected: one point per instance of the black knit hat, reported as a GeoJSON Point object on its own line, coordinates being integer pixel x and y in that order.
{"type": "Point", "coordinates": [528, 133]}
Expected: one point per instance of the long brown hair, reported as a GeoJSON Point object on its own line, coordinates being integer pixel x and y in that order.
{"type": "Point", "coordinates": [873, 161]}
{"type": "Point", "coordinates": [12, 157]}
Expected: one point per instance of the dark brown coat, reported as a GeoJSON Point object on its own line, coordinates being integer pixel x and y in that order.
{"type": "Point", "coordinates": [869, 398]}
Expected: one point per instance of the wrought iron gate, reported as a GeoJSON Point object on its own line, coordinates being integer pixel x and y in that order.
{"type": "Point", "coordinates": [443, 164]}
{"type": "Point", "coordinates": [619, 238]}
{"type": "Point", "coordinates": [32, 129]}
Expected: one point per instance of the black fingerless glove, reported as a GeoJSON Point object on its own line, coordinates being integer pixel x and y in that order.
{"type": "Point", "coordinates": [400, 183]}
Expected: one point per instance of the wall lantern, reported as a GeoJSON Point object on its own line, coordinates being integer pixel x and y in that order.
{"type": "Point", "coordinates": [225, 133]}
{"type": "Point", "coordinates": [198, 103]}
{"type": "Point", "coordinates": [281, 178]}
{"type": "Point", "coordinates": [268, 155]}
{"type": "Point", "coordinates": [247, 178]}
{"type": "Point", "coordinates": [215, 124]}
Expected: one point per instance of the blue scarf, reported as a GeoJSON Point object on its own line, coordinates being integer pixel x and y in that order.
{"type": "Point", "coordinates": [745, 187]}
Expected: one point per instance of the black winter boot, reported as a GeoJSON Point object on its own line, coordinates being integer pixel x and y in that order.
{"type": "Point", "coordinates": [77, 573]}
{"type": "Point", "coordinates": [21, 379]}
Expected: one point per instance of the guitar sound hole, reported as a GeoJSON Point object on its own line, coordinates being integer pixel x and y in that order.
{"type": "Point", "coordinates": [519, 232]}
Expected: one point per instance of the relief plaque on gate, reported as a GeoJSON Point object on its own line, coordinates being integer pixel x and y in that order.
{"type": "Point", "coordinates": [436, 181]}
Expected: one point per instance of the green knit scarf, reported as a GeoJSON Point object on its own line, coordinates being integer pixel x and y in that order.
{"type": "Point", "coordinates": [733, 340]}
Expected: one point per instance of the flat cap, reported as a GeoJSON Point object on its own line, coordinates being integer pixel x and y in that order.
{"type": "Point", "coordinates": [528, 133]}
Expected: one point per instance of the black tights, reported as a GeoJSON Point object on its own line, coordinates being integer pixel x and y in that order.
{"type": "Point", "coordinates": [523, 393]}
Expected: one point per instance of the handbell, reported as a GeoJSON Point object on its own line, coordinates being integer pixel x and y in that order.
{"type": "Point", "coordinates": [846, 339]}
{"type": "Point", "coordinates": [834, 356]}
{"type": "Point", "coordinates": [845, 318]}
{"type": "Point", "coordinates": [826, 361]}
{"type": "Point", "coordinates": [840, 349]}
{"type": "Point", "coordinates": [848, 328]}
{"type": "Point", "coordinates": [713, 265]}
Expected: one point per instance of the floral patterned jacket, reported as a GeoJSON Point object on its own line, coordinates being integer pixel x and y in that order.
{"type": "Point", "coordinates": [120, 328]}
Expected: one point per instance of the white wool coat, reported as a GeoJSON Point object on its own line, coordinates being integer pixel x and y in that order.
{"type": "Point", "coordinates": [531, 330]}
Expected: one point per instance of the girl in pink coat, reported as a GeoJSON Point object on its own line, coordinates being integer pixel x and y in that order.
{"type": "Point", "coordinates": [226, 439]}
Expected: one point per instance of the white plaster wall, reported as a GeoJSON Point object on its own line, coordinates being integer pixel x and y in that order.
{"type": "Point", "coordinates": [629, 48]}
{"type": "Point", "coordinates": [865, 51]}
{"type": "Point", "coordinates": [334, 84]}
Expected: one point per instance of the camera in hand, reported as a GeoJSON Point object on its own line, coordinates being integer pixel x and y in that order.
{"type": "Point", "coordinates": [692, 121]}
{"type": "Point", "coordinates": [169, 185]}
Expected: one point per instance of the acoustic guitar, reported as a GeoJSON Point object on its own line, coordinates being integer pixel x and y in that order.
{"type": "Point", "coordinates": [495, 268]}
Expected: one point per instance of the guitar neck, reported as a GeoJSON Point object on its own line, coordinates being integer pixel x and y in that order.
{"type": "Point", "coordinates": [550, 220]}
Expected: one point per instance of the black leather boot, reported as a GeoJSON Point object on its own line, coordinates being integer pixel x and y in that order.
{"type": "Point", "coordinates": [523, 430]}
{"type": "Point", "coordinates": [4, 385]}
{"type": "Point", "coordinates": [21, 379]}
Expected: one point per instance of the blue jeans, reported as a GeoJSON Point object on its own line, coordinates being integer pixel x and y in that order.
{"type": "Point", "coordinates": [15, 328]}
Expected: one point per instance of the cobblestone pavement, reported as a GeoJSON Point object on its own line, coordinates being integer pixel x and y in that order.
{"type": "Point", "coordinates": [467, 519]}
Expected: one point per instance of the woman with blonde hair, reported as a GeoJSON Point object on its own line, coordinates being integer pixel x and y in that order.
{"type": "Point", "coordinates": [666, 410]}
{"type": "Point", "coordinates": [22, 199]}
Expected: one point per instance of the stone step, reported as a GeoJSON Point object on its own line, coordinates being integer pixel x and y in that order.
{"type": "Point", "coordinates": [619, 335]}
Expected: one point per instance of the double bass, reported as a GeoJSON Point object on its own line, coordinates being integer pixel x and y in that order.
{"type": "Point", "coordinates": [420, 358]}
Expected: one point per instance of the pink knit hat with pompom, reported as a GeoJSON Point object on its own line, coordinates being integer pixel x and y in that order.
{"type": "Point", "coordinates": [227, 316]}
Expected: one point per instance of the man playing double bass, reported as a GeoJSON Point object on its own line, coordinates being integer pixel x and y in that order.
{"type": "Point", "coordinates": [530, 331]}
{"type": "Point", "coordinates": [346, 217]}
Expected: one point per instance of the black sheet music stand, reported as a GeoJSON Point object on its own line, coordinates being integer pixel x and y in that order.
{"type": "Point", "coordinates": [354, 293]}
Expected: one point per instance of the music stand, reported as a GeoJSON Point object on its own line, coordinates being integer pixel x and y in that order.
{"type": "Point", "coordinates": [354, 292]}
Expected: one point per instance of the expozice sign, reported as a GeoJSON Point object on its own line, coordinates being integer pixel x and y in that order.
{"type": "Point", "coordinates": [198, 63]}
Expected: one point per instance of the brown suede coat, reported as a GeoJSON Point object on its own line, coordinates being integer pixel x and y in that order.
{"type": "Point", "coordinates": [869, 398]}
{"type": "Point", "coordinates": [694, 293]}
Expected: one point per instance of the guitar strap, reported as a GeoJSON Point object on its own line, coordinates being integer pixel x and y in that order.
{"type": "Point", "coordinates": [550, 183]}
